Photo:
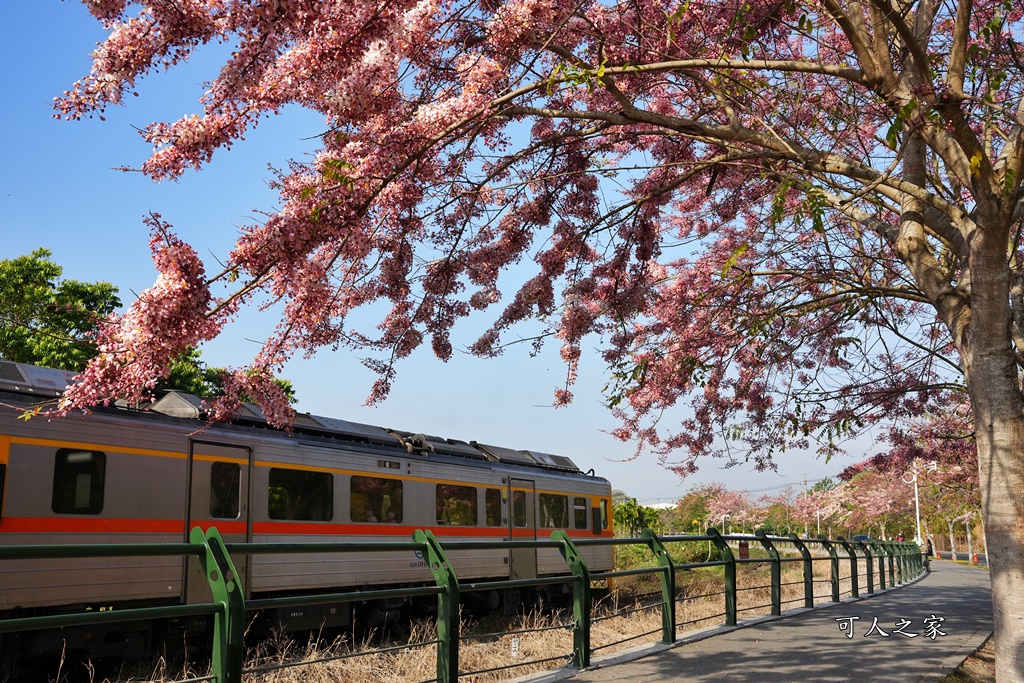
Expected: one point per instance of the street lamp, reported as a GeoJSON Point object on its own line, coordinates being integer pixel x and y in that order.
{"type": "Point", "coordinates": [917, 500]}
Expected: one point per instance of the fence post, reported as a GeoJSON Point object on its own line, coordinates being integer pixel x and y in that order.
{"type": "Point", "coordinates": [833, 566]}
{"type": "Point", "coordinates": [808, 569]}
{"type": "Point", "coordinates": [228, 654]}
{"type": "Point", "coordinates": [725, 553]}
{"type": "Point", "coordinates": [890, 551]}
{"type": "Point", "coordinates": [776, 570]}
{"type": "Point", "coordinates": [447, 607]}
{"type": "Point", "coordinates": [580, 599]}
{"type": "Point", "coordinates": [870, 562]}
{"type": "Point", "coordinates": [880, 550]}
{"type": "Point", "coordinates": [894, 550]}
{"type": "Point", "coordinates": [668, 586]}
{"type": "Point", "coordinates": [854, 578]}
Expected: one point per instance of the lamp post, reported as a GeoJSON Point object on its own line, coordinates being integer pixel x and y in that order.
{"type": "Point", "coordinates": [917, 499]}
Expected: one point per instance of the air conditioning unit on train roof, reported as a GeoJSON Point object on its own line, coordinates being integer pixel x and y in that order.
{"type": "Point", "coordinates": [535, 458]}
{"type": "Point", "coordinates": [458, 447]}
{"type": "Point", "coordinates": [559, 461]}
{"type": "Point", "coordinates": [34, 379]}
{"type": "Point", "coordinates": [183, 404]}
{"type": "Point", "coordinates": [357, 431]}
{"type": "Point", "coordinates": [502, 454]}
{"type": "Point", "coordinates": [178, 404]}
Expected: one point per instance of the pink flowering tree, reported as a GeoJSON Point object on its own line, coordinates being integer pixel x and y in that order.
{"type": "Point", "coordinates": [728, 509]}
{"type": "Point", "coordinates": [833, 512]}
{"type": "Point", "coordinates": [797, 218]}
{"type": "Point", "coordinates": [940, 451]}
{"type": "Point", "coordinates": [780, 512]}
{"type": "Point", "coordinates": [881, 501]}
{"type": "Point", "coordinates": [821, 507]}
{"type": "Point", "coordinates": [805, 510]}
{"type": "Point", "coordinates": [942, 448]}
{"type": "Point", "coordinates": [758, 513]}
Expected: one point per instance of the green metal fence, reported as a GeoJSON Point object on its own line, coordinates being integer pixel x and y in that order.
{"type": "Point", "coordinates": [892, 563]}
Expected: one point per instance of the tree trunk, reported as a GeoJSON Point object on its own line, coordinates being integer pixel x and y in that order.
{"type": "Point", "coordinates": [1002, 490]}
{"type": "Point", "coordinates": [984, 539]}
{"type": "Point", "coordinates": [970, 542]}
{"type": "Point", "coordinates": [952, 538]}
{"type": "Point", "coordinates": [992, 378]}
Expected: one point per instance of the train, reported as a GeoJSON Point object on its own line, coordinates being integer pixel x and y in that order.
{"type": "Point", "coordinates": [149, 474]}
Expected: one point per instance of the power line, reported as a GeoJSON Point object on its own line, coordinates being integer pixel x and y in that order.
{"type": "Point", "coordinates": [802, 482]}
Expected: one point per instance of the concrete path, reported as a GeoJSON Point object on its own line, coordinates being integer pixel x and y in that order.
{"type": "Point", "coordinates": [810, 645]}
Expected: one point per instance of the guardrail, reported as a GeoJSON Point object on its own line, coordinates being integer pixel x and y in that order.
{"type": "Point", "coordinates": [901, 561]}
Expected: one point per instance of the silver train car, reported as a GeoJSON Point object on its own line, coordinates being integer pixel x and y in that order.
{"type": "Point", "coordinates": [130, 475]}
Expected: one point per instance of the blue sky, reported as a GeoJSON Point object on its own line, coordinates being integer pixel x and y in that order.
{"type": "Point", "coordinates": [60, 190]}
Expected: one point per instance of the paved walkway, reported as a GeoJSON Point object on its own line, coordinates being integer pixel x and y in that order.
{"type": "Point", "coordinates": [809, 645]}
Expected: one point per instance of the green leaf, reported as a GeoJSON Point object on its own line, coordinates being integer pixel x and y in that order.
{"type": "Point", "coordinates": [892, 136]}
{"type": "Point", "coordinates": [734, 258]}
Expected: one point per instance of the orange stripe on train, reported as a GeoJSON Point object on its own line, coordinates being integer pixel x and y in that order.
{"type": "Point", "coordinates": [82, 525]}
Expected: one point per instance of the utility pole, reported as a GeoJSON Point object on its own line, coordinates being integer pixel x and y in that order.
{"type": "Point", "coordinates": [806, 523]}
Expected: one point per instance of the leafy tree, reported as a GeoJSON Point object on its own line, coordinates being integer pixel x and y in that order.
{"type": "Point", "coordinates": [780, 514]}
{"type": "Point", "coordinates": [632, 518]}
{"type": "Point", "coordinates": [46, 320]}
{"type": "Point", "coordinates": [191, 374]}
{"type": "Point", "coordinates": [826, 484]}
{"type": "Point", "coordinates": [797, 217]}
{"type": "Point", "coordinates": [620, 496]}
{"type": "Point", "coordinates": [52, 322]}
{"type": "Point", "coordinates": [692, 509]}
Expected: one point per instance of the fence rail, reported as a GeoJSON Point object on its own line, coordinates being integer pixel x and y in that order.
{"type": "Point", "coordinates": [898, 562]}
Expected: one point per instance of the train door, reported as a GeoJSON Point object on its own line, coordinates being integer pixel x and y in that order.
{"type": "Point", "coordinates": [218, 496]}
{"type": "Point", "coordinates": [522, 526]}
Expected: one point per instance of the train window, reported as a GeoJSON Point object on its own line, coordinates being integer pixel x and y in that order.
{"type": "Point", "coordinates": [492, 507]}
{"type": "Point", "coordinates": [300, 495]}
{"type": "Point", "coordinates": [225, 490]}
{"type": "Point", "coordinates": [375, 499]}
{"type": "Point", "coordinates": [604, 513]}
{"type": "Point", "coordinates": [579, 512]}
{"type": "Point", "coordinates": [78, 482]}
{"type": "Point", "coordinates": [519, 508]}
{"type": "Point", "coordinates": [554, 511]}
{"type": "Point", "coordinates": [456, 505]}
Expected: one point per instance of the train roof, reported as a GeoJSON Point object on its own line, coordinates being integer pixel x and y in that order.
{"type": "Point", "coordinates": [48, 383]}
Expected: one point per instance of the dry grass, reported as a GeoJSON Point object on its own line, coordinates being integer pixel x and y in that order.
{"type": "Point", "coordinates": [980, 667]}
{"type": "Point", "coordinates": [528, 644]}
{"type": "Point", "coordinates": [620, 622]}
